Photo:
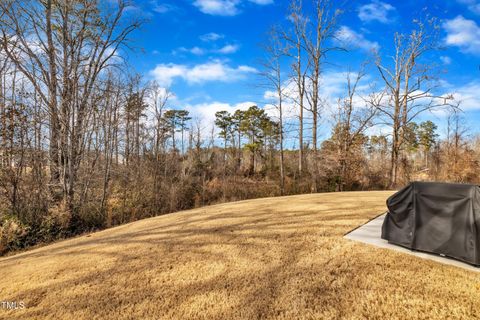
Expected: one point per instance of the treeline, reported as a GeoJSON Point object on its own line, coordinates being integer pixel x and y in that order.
{"type": "Point", "coordinates": [86, 145]}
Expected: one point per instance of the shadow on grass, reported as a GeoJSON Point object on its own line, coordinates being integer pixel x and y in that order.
{"type": "Point", "coordinates": [237, 263]}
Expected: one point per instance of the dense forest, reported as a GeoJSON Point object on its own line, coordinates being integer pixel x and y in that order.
{"type": "Point", "coordinates": [86, 143]}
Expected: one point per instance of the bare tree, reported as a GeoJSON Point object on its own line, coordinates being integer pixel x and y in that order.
{"type": "Point", "coordinates": [68, 60]}
{"type": "Point", "coordinates": [294, 39]}
{"type": "Point", "coordinates": [160, 97]}
{"type": "Point", "coordinates": [321, 27]}
{"type": "Point", "coordinates": [272, 74]}
{"type": "Point", "coordinates": [351, 122]}
{"type": "Point", "coordinates": [409, 85]}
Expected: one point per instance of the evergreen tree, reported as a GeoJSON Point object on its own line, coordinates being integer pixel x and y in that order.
{"type": "Point", "coordinates": [251, 126]}
{"type": "Point", "coordinates": [176, 121]}
{"type": "Point", "coordinates": [224, 121]}
{"type": "Point", "coordinates": [427, 137]}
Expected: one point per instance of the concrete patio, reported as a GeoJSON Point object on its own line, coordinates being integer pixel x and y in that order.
{"type": "Point", "coordinates": [370, 233]}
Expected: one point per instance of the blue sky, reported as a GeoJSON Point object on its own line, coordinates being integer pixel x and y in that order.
{"type": "Point", "coordinates": [207, 51]}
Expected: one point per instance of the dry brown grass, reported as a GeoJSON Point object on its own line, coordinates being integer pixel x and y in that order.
{"type": "Point", "coordinates": [279, 258]}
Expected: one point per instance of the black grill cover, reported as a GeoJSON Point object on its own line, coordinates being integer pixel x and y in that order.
{"type": "Point", "coordinates": [440, 218]}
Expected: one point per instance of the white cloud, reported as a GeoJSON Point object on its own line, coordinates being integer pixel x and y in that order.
{"type": "Point", "coordinates": [165, 73]}
{"type": "Point", "coordinates": [262, 2]}
{"type": "Point", "coordinates": [212, 36]}
{"type": "Point", "coordinates": [468, 96]}
{"type": "Point", "coordinates": [473, 5]}
{"type": "Point", "coordinates": [228, 49]}
{"type": "Point", "coordinates": [161, 7]}
{"type": "Point", "coordinates": [116, 55]}
{"type": "Point", "coordinates": [376, 11]}
{"type": "Point", "coordinates": [206, 111]}
{"type": "Point", "coordinates": [463, 33]}
{"type": "Point", "coordinates": [225, 7]}
{"type": "Point", "coordinates": [348, 37]}
{"type": "Point", "coordinates": [164, 96]}
{"type": "Point", "coordinates": [333, 86]}
{"type": "Point", "coordinates": [195, 50]}
{"type": "Point", "coordinates": [446, 60]}
{"type": "Point", "coordinates": [134, 9]}
{"type": "Point", "coordinates": [218, 7]}
{"type": "Point", "coordinates": [216, 70]}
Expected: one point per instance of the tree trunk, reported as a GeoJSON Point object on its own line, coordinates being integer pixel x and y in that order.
{"type": "Point", "coordinates": [52, 93]}
{"type": "Point", "coordinates": [282, 161]}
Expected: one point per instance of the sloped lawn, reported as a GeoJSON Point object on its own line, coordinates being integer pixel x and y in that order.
{"type": "Point", "coordinates": [278, 258]}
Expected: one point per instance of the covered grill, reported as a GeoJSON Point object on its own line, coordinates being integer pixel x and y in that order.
{"type": "Point", "coordinates": [439, 218]}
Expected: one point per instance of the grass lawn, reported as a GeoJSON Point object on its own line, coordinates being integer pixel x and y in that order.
{"type": "Point", "coordinates": [276, 258]}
